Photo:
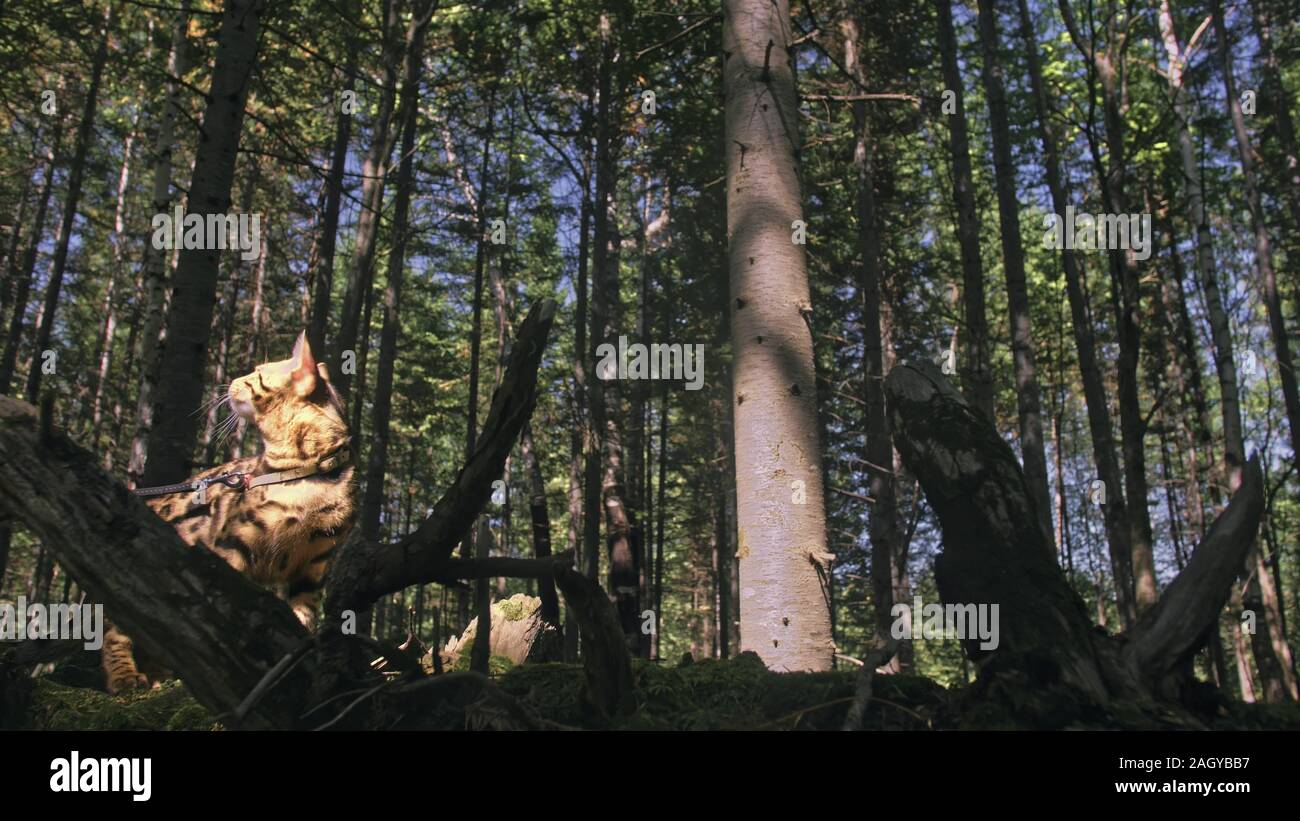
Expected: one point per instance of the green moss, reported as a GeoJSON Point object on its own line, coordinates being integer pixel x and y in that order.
{"type": "Point", "coordinates": [735, 694]}
{"type": "Point", "coordinates": [516, 607]}
{"type": "Point", "coordinates": [497, 665]}
{"type": "Point", "coordinates": [168, 707]}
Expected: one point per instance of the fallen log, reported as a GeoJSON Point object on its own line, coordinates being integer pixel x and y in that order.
{"type": "Point", "coordinates": [364, 571]}
{"type": "Point", "coordinates": [186, 607]}
{"type": "Point", "coordinates": [994, 554]}
{"type": "Point", "coordinates": [220, 633]}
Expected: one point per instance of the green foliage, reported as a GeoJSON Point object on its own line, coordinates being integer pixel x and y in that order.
{"type": "Point", "coordinates": [167, 707]}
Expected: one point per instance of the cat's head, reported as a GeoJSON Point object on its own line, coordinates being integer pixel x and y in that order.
{"type": "Point", "coordinates": [290, 398]}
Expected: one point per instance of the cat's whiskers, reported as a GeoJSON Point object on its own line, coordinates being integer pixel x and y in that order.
{"type": "Point", "coordinates": [228, 425]}
{"type": "Point", "coordinates": [222, 395]}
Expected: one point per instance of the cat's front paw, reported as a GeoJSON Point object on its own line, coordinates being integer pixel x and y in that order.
{"type": "Point", "coordinates": [307, 616]}
{"type": "Point", "coordinates": [126, 682]}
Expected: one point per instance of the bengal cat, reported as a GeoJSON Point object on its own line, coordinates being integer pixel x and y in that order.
{"type": "Point", "coordinates": [281, 535]}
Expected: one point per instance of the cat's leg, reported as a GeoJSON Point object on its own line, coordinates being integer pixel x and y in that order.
{"type": "Point", "coordinates": [304, 593]}
{"type": "Point", "coordinates": [304, 583]}
{"type": "Point", "coordinates": [118, 660]}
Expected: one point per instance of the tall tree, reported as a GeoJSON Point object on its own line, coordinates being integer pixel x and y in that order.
{"type": "Point", "coordinates": [1029, 404]}
{"type": "Point", "coordinates": [189, 319]}
{"type": "Point", "coordinates": [76, 173]}
{"type": "Point", "coordinates": [1225, 358]}
{"type": "Point", "coordinates": [147, 344]}
{"type": "Point", "coordinates": [606, 326]}
{"type": "Point", "coordinates": [882, 516]}
{"type": "Point", "coordinates": [1081, 323]}
{"type": "Point", "coordinates": [976, 358]}
{"type": "Point", "coordinates": [1107, 68]}
{"type": "Point", "coordinates": [374, 172]}
{"type": "Point", "coordinates": [381, 409]}
{"type": "Point", "coordinates": [1272, 652]}
{"type": "Point", "coordinates": [322, 274]}
{"type": "Point", "coordinates": [1259, 227]}
{"type": "Point", "coordinates": [783, 554]}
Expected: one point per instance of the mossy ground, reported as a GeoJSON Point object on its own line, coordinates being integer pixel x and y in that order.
{"type": "Point", "coordinates": [735, 694]}
{"type": "Point", "coordinates": [167, 707]}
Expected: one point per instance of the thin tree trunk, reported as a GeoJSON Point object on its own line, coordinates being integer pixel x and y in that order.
{"type": "Point", "coordinates": [375, 171]}
{"type": "Point", "coordinates": [1108, 67]}
{"type": "Point", "coordinates": [76, 173]}
{"type": "Point", "coordinates": [1029, 403]}
{"type": "Point", "coordinates": [1224, 354]}
{"type": "Point", "coordinates": [147, 348]}
{"type": "Point", "coordinates": [180, 388]}
{"type": "Point", "coordinates": [482, 599]}
{"type": "Point", "coordinates": [1115, 515]}
{"type": "Point", "coordinates": [975, 364]}
{"type": "Point", "coordinates": [1279, 102]}
{"type": "Point", "coordinates": [540, 520]}
{"type": "Point", "coordinates": [882, 514]}
{"type": "Point", "coordinates": [605, 393]}
{"type": "Point", "coordinates": [322, 273]}
{"type": "Point", "coordinates": [108, 329]}
{"type": "Point", "coordinates": [381, 409]}
{"type": "Point", "coordinates": [15, 241]}
{"type": "Point", "coordinates": [663, 511]}
{"type": "Point", "coordinates": [23, 276]}
{"type": "Point", "coordinates": [578, 432]}
{"type": "Point", "coordinates": [1259, 226]}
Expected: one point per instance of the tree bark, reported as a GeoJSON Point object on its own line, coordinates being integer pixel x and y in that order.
{"type": "Point", "coordinates": [975, 364]}
{"type": "Point", "coordinates": [992, 555]}
{"type": "Point", "coordinates": [382, 402]}
{"type": "Point", "coordinates": [1108, 66]}
{"type": "Point", "coordinates": [76, 173]}
{"type": "Point", "coordinates": [540, 520]}
{"type": "Point", "coordinates": [1259, 226]}
{"type": "Point", "coordinates": [783, 554]}
{"type": "Point", "coordinates": [375, 173]}
{"type": "Point", "coordinates": [882, 515]}
{"type": "Point", "coordinates": [322, 274]}
{"type": "Point", "coordinates": [149, 350]}
{"type": "Point", "coordinates": [172, 437]}
{"type": "Point", "coordinates": [1029, 403]}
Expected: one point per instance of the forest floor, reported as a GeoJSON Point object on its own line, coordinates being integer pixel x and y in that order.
{"type": "Point", "coordinates": [735, 694]}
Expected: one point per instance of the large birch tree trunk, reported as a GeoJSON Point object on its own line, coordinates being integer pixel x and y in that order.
{"type": "Point", "coordinates": [784, 563]}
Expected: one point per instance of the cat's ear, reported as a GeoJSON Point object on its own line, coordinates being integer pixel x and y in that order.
{"type": "Point", "coordinates": [304, 373]}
